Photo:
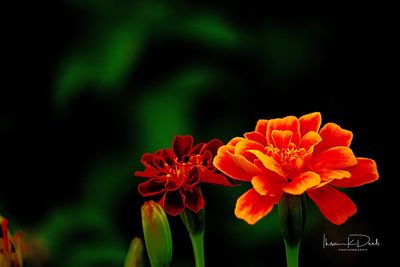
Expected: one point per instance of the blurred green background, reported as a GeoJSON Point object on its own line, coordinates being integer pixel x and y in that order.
{"type": "Point", "coordinates": [94, 84]}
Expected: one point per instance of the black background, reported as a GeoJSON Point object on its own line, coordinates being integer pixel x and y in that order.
{"type": "Point", "coordinates": [45, 152]}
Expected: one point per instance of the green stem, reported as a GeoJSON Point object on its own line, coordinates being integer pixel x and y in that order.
{"type": "Point", "coordinates": [195, 225]}
{"type": "Point", "coordinates": [198, 249]}
{"type": "Point", "coordinates": [292, 255]}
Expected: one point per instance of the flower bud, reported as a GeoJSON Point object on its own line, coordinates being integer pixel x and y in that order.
{"type": "Point", "coordinates": [134, 258]}
{"type": "Point", "coordinates": [157, 234]}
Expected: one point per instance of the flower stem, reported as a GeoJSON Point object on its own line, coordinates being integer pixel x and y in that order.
{"type": "Point", "coordinates": [292, 213]}
{"type": "Point", "coordinates": [195, 225]}
{"type": "Point", "coordinates": [198, 249]}
{"type": "Point", "coordinates": [292, 255]}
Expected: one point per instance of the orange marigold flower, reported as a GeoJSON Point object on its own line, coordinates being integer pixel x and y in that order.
{"type": "Point", "coordinates": [294, 156]}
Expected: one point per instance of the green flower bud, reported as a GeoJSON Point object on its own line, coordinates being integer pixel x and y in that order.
{"type": "Point", "coordinates": [134, 258]}
{"type": "Point", "coordinates": [157, 234]}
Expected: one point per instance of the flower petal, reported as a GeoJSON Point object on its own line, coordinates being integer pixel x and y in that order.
{"type": "Point", "coordinates": [334, 174]}
{"type": "Point", "coordinates": [270, 184]}
{"type": "Point", "coordinates": [166, 156]}
{"type": "Point", "coordinates": [252, 206]}
{"type": "Point", "coordinates": [235, 166]}
{"type": "Point", "coordinates": [149, 172]}
{"type": "Point", "coordinates": [182, 145]}
{"type": "Point", "coordinates": [310, 122]}
{"type": "Point", "coordinates": [335, 158]}
{"type": "Point", "coordinates": [173, 202]}
{"type": "Point", "coordinates": [195, 149]}
{"type": "Point", "coordinates": [212, 146]}
{"type": "Point", "coordinates": [261, 127]}
{"type": "Point", "coordinates": [245, 145]}
{"type": "Point", "coordinates": [333, 135]}
{"type": "Point", "coordinates": [148, 159]}
{"type": "Point", "coordinates": [302, 182]}
{"type": "Point", "coordinates": [269, 162]}
{"type": "Point", "coordinates": [151, 187]}
{"type": "Point", "coordinates": [194, 199]}
{"type": "Point", "coordinates": [363, 173]}
{"type": "Point", "coordinates": [256, 136]}
{"type": "Point", "coordinates": [235, 140]}
{"type": "Point", "coordinates": [210, 177]}
{"type": "Point", "coordinates": [289, 123]}
{"type": "Point", "coordinates": [281, 139]}
{"type": "Point", "coordinates": [310, 139]}
{"type": "Point", "coordinates": [336, 206]}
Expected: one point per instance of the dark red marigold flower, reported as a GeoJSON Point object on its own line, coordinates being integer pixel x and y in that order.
{"type": "Point", "coordinates": [175, 174]}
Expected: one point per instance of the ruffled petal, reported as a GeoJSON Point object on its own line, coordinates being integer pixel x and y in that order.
{"type": "Point", "coordinates": [149, 172]}
{"type": "Point", "coordinates": [235, 166]}
{"type": "Point", "coordinates": [256, 136]}
{"type": "Point", "coordinates": [252, 206]}
{"type": "Point", "coordinates": [182, 145]}
{"type": "Point", "coordinates": [195, 149]}
{"type": "Point", "coordinates": [152, 187]}
{"type": "Point", "coordinates": [335, 158]}
{"type": "Point", "coordinates": [242, 148]}
{"type": "Point", "coordinates": [289, 123]}
{"type": "Point", "coordinates": [269, 163]}
{"type": "Point", "coordinates": [336, 206]}
{"type": "Point", "coordinates": [147, 160]}
{"type": "Point", "coordinates": [302, 183]}
{"type": "Point", "coordinates": [270, 184]}
{"type": "Point", "coordinates": [210, 177]}
{"type": "Point", "coordinates": [261, 127]}
{"type": "Point", "coordinates": [166, 156]}
{"type": "Point", "coordinates": [173, 202]}
{"type": "Point", "coordinates": [245, 145]}
{"type": "Point", "coordinates": [333, 135]}
{"type": "Point", "coordinates": [334, 174]}
{"type": "Point", "coordinates": [206, 158]}
{"type": "Point", "coordinates": [212, 146]}
{"type": "Point", "coordinates": [310, 122]}
{"type": "Point", "coordinates": [364, 172]}
{"type": "Point", "coordinates": [281, 139]}
{"type": "Point", "coordinates": [194, 199]}
{"type": "Point", "coordinates": [235, 140]}
{"type": "Point", "coordinates": [310, 139]}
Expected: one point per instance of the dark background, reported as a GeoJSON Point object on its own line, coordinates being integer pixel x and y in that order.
{"type": "Point", "coordinates": [91, 85]}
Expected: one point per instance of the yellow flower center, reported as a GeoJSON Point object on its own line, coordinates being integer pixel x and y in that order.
{"type": "Point", "coordinates": [290, 159]}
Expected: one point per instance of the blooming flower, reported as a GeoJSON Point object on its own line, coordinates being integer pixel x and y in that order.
{"type": "Point", "coordinates": [175, 174]}
{"type": "Point", "coordinates": [294, 156]}
{"type": "Point", "coordinates": [10, 247]}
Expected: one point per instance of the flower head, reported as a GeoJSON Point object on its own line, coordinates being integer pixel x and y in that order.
{"type": "Point", "coordinates": [175, 174]}
{"type": "Point", "coordinates": [10, 246]}
{"type": "Point", "coordinates": [294, 156]}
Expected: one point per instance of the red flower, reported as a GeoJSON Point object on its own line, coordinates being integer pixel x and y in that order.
{"type": "Point", "coordinates": [294, 156]}
{"type": "Point", "coordinates": [176, 174]}
{"type": "Point", "coordinates": [10, 246]}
